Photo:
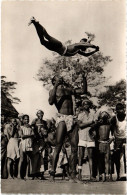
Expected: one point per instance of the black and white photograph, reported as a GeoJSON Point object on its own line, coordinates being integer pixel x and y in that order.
{"type": "Point", "coordinates": [63, 97]}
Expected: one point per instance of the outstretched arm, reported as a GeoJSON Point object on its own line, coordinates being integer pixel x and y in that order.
{"type": "Point", "coordinates": [88, 54]}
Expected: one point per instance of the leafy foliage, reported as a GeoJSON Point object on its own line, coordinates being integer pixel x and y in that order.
{"type": "Point", "coordinates": [8, 88]}
{"type": "Point", "coordinates": [114, 94]}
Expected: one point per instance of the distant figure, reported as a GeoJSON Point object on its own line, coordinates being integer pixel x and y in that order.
{"type": "Point", "coordinates": [104, 140]}
{"type": "Point", "coordinates": [38, 124]}
{"type": "Point", "coordinates": [12, 147]}
{"type": "Point", "coordinates": [86, 120]}
{"type": "Point", "coordinates": [4, 142]}
{"type": "Point", "coordinates": [26, 134]}
{"type": "Point", "coordinates": [119, 130]}
{"type": "Point", "coordinates": [57, 46]}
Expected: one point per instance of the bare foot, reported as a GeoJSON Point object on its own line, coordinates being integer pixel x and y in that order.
{"type": "Point", "coordinates": [31, 21]}
{"type": "Point", "coordinates": [43, 178]}
{"type": "Point", "coordinates": [26, 178]}
{"type": "Point", "coordinates": [51, 179]}
{"type": "Point", "coordinates": [103, 178]}
{"type": "Point", "coordinates": [75, 180]}
{"type": "Point", "coordinates": [93, 179]}
{"type": "Point", "coordinates": [9, 177]}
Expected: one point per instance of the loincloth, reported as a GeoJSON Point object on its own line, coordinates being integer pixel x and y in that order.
{"type": "Point", "coordinates": [68, 119]}
{"type": "Point", "coordinates": [104, 146]}
{"type": "Point", "coordinates": [13, 149]}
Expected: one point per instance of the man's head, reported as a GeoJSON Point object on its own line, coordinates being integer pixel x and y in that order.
{"type": "Point", "coordinates": [14, 121]}
{"type": "Point", "coordinates": [58, 79]}
{"type": "Point", "coordinates": [83, 40]}
{"type": "Point", "coordinates": [104, 116]}
{"type": "Point", "coordinates": [44, 131]}
{"type": "Point", "coordinates": [25, 119]}
{"type": "Point", "coordinates": [2, 118]}
{"type": "Point", "coordinates": [40, 114]}
{"type": "Point", "coordinates": [86, 104]}
{"type": "Point", "coordinates": [20, 116]}
{"type": "Point", "coordinates": [120, 109]}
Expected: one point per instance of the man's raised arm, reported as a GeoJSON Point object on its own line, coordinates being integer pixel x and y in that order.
{"type": "Point", "coordinates": [52, 93]}
{"type": "Point", "coordinates": [52, 96]}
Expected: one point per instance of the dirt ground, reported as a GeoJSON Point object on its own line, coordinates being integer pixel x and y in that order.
{"type": "Point", "coordinates": [61, 187]}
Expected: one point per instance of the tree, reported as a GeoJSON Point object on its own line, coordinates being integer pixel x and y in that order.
{"type": "Point", "coordinates": [114, 94]}
{"type": "Point", "coordinates": [8, 89]}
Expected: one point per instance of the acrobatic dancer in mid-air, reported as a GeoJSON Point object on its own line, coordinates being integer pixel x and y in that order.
{"type": "Point", "coordinates": [57, 46]}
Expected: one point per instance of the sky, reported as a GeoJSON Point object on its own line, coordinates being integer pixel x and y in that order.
{"type": "Point", "coordinates": [22, 54]}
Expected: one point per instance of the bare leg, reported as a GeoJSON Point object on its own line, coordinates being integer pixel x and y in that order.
{"type": "Point", "coordinates": [20, 164]}
{"type": "Point", "coordinates": [117, 162]}
{"type": "Point", "coordinates": [60, 135]}
{"type": "Point", "coordinates": [48, 41]}
{"type": "Point", "coordinates": [9, 162]}
{"type": "Point", "coordinates": [27, 168]}
{"type": "Point", "coordinates": [74, 139]}
{"type": "Point", "coordinates": [81, 154]}
{"type": "Point", "coordinates": [107, 164]}
{"type": "Point", "coordinates": [90, 156]}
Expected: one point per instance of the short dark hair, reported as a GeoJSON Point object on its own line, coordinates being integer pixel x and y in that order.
{"type": "Point", "coordinates": [119, 106]}
{"type": "Point", "coordinates": [54, 78]}
{"type": "Point", "coordinates": [25, 115]}
{"type": "Point", "coordinates": [84, 39]}
{"type": "Point", "coordinates": [86, 101]}
{"type": "Point", "coordinates": [40, 111]}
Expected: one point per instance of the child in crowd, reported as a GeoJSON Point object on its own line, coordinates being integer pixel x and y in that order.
{"type": "Point", "coordinates": [26, 134]}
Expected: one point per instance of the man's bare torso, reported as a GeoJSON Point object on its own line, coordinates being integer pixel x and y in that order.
{"type": "Point", "coordinates": [103, 132]}
{"type": "Point", "coordinates": [74, 49]}
{"type": "Point", "coordinates": [64, 102]}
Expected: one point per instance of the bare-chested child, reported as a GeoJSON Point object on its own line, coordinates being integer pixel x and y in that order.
{"type": "Point", "coordinates": [26, 134]}
{"type": "Point", "coordinates": [61, 97]}
{"type": "Point", "coordinates": [103, 130]}
{"type": "Point", "coordinates": [57, 46]}
{"type": "Point", "coordinates": [12, 147]}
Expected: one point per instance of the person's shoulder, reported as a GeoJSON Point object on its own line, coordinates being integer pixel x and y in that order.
{"type": "Point", "coordinates": [8, 126]}
{"type": "Point", "coordinates": [34, 121]}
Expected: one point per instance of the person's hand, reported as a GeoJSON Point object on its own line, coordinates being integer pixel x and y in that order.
{"type": "Point", "coordinates": [97, 48]}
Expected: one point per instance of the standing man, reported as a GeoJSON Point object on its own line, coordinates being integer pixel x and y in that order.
{"type": "Point", "coordinates": [37, 125]}
{"type": "Point", "coordinates": [38, 122]}
{"type": "Point", "coordinates": [86, 120]}
{"type": "Point", "coordinates": [119, 129]}
{"type": "Point", "coordinates": [61, 97]}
